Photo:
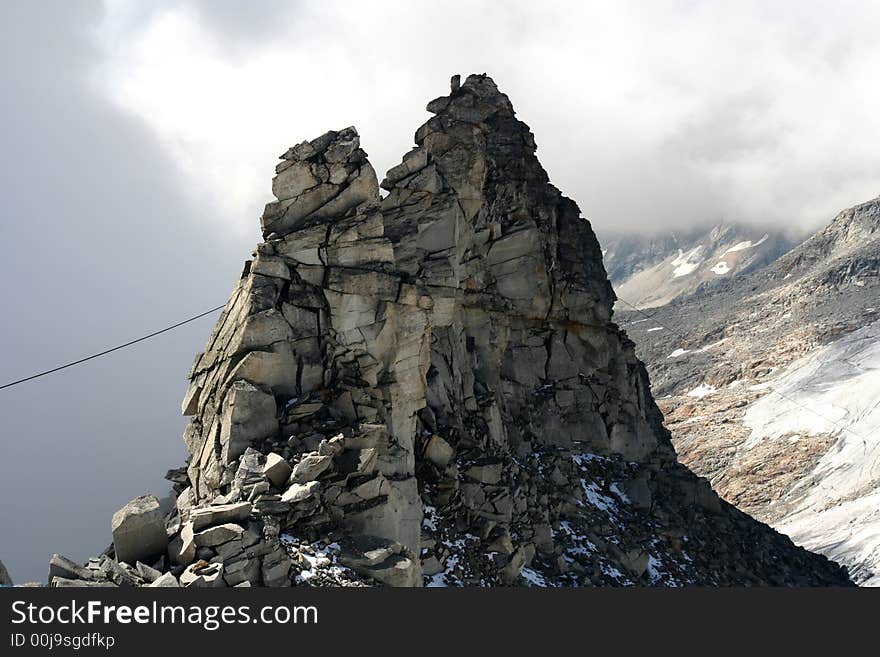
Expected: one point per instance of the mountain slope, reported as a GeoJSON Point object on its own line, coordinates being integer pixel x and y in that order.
{"type": "Point", "coordinates": [648, 272]}
{"type": "Point", "coordinates": [769, 386]}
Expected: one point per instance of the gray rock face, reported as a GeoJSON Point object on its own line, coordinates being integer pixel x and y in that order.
{"type": "Point", "coordinates": [451, 341]}
{"type": "Point", "coordinates": [5, 579]}
{"type": "Point", "coordinates": [439, 371]}
{"type": "Point", "coordinates": [139, 530]}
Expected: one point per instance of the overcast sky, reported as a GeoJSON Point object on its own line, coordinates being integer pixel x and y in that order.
{"type": "Point", "coordinates": [139, 139]}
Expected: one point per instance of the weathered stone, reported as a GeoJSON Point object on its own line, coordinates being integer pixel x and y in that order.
{"type": "Point", "coordinates": [218, 534]}
{"type": "Point", "coordinates": [438, 451]}
{"type": "Point", "coordinates": [300, 492]}
{"type": "Point", "coordinates": [139, 530]}
{"type": "Point", "coordinates": [332, 447]}
{"type": "Point", "coordinates": [167, 580]}
{"type": "Point", "coordinates": [275, 370]}
{"type": "Point", "coordinates": [202, 574]}
{"type": "Point", "coordinates": [635, 561]}
{"type": "Point", "coordinates": [357, 461]}
{"type": "Point", "coordinates": [431, 566]}
{"type": "Point", "coordinates": [275, 568]}
{"type": "Point", "coordinates": [489, 473]}
{"type": "Point", "coordinates": [64, 583]}
{"type": "Point", "coordinates": [120, 573]}
{"type": "Point", "coordinates": [60, 566]}
{"type": "Point", "coordinates": [310, 467]}
{"type": "Point", "coordinates": [383, 560]}
{"type": "Point", "coordinates": [277, 470]}
{"type": "Point", "coordinates": [182, 548]}
{"type": "Point", "coordinates": [638, 493]}
{"type": "Point", "coordinates": [241, 570]}
{"type": "Point", "coordinates": [248, 415]}
{"type": "Point", "coordinates": [5, 579]}
{"type": "Point", "coordinates": [149, 573]}
{"type": "Point", "coordinates": [218, 514]}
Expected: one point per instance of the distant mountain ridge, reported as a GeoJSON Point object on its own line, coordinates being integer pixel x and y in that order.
{"type": "Point", "coordinates": [647, 272]}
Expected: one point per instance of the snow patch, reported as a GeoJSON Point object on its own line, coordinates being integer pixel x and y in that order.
{"type": "Point", "coordinates": [701, 391]}
{"type": "Point", "coordinates": [742, 246]}
{"type": "Point", "coordinates": [686, 263]}
{"type": "Point", "coordinates": [721, 268]}
{"type": "Point", "coordinates": [656, 328]}
{"type": "Point", "coordinates": [678, 352]}
{"type": "Point", "coordinates": [533, 577]}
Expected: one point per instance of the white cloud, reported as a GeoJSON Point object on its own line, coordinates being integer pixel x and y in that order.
{"type": "Point", "coordinates": [647, 114]}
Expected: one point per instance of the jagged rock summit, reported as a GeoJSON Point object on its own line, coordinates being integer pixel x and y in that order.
{"type": "Point", "coordinates": [427, 388]}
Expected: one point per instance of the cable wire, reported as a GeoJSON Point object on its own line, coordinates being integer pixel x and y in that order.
{"type": "Point", "coordinates": [112, 349]}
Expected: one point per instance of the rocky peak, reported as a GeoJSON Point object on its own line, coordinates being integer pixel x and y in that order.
{"type": "Point", "coordinates": [326, 178]}
{"type": "Point", "coordinates": [430, 386]}
{"type": "Point", "coordinates": [844, 249]}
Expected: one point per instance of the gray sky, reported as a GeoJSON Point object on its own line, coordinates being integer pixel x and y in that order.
{"type": "Point", "coordinates": [139, 139]}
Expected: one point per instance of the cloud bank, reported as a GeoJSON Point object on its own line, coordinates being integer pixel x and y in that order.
{"type": "Point", "coordinates": [651, 115]}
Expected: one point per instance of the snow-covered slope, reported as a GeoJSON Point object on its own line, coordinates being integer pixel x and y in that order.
{"type": "Point", "coordinates": [769, 384]}
{"type": "Point", "coordinates": [835, 390]}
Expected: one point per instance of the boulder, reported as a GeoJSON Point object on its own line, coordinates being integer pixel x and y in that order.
{"type": "Point", "coordinates": [5, 579]}
{"type": "Point", "coordinates": [166, 580]}
{"type": "Point", "coordinates": [438, 451]}
{"type": "Point", "coordinates": [277, 470]}
{"type": "Point", "coordinates": [217, 514]}
{"type": "Point", "coordinates": [202, 574]}
{"type": "Point", "coordinates": [218, 534]}
{"type": "Point", "coordinates": [139, 530]}
{"type": "Point", "coordinates": [149, 573]}
{"type": "Point", "coordinates": [636, 561]}
{"type": "Point", "coordinates": [638, 493]}
{"type": "Point", "coordinates": [60, 566]}
{"type": "Point", "coordinates": [489, 473]}
{"type": "Point", "coordinates": [357, 461]}
{"type": "Point", "coordinates": [310, 468]}
{"type": "Point", "coordinates": [300, 492]}
{"type": "Point", "coordinates": [385, 561]}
